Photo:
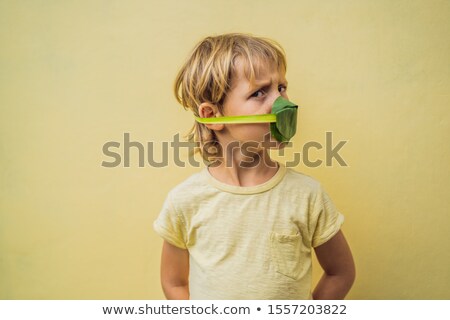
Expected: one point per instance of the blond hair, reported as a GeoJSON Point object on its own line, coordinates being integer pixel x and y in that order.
{"type": "Point", "coordinates": [206, 77]}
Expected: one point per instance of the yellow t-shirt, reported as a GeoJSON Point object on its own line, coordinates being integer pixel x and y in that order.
{"type": "Point", "coordinates": [249, 242]}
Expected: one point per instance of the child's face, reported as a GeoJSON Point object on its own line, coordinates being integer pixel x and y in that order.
{"type": "Point", "coordinates": [246, 98]}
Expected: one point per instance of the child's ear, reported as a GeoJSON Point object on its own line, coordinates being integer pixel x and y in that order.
{"type": "Point", "coordinates": [208, 110]}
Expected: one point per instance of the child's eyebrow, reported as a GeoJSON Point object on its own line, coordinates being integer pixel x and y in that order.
{"type": "Point", "coordinates": [264, 84]}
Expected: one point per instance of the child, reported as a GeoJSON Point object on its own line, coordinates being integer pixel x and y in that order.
{"type": "Point", "coordinates": [240, 228]}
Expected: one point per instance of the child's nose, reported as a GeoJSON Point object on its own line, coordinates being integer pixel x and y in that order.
{"type": "Point", "coordinates": [271, 102]}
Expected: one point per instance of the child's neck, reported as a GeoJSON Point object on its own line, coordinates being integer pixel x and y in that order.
{"type": "Point", "coordinates": [245, 171]}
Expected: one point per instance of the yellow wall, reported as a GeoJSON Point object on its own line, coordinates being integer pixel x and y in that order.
{"type": "Point", "coordinates": [77, 74]}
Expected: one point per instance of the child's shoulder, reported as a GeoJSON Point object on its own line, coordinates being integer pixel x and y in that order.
{"type": "Point", "coordinates": [299, 180]}
{"type": "Point", "coordinates": [192, 186]}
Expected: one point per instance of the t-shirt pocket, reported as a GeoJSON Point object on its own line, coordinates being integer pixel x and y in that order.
{"type": "Point", "coordinates": [285, 252]}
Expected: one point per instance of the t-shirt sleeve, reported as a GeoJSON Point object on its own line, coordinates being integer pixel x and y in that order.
{"type": "Point", "coordinates": [169, 225]}
{"type": "Point", "coordinates": [325, 220]}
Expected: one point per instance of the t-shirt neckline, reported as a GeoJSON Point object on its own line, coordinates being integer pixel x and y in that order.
{"type": "Point", "coordinates": [269, 184]}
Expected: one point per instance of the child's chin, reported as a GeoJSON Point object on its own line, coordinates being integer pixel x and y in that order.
{"type": "Point", "coordinates": [273, 144]}
{"type": "Point", "coordinates": [277, 144]}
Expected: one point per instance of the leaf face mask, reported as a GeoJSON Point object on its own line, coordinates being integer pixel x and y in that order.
{"type": "Point", "coordinates": [283, 119]}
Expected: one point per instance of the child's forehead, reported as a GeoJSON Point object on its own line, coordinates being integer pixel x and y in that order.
{"type": "Point", "coordinates": [255, 71]}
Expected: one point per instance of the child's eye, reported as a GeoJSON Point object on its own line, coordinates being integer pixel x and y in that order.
{"type": "Point", "coordinates": [282, 88]}
{"type": "Point", "coordinates": [256, 94]}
